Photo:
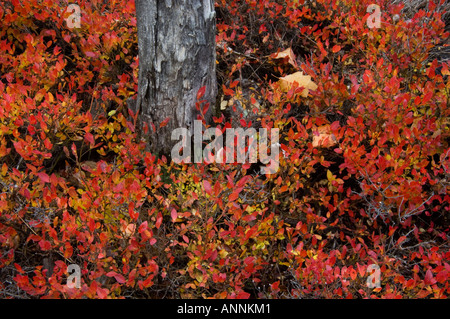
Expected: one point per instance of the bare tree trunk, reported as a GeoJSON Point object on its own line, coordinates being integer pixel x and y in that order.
{"type": "Point", "coordinates": [177, 55]}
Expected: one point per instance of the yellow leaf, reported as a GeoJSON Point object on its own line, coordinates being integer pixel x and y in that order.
{"type": "Point", "coordinates": [111, 113]}
{"type": "Point", "coordinates": [38, 97]}
{"type": "Point", "coordinates": [330, 176]}
{"type": "Point", "coordinates": [115, 177]}
{"type": "Point", "coordinates": [250, 209]}
{"type": "Point", "coordinates": [285, 264]}
{"type": "Point", "coordinates": [304, 81]}
{"type": "Point", "coordinates": [259, 246]}
{"type": "Point", "coordinates": [199, 277]}
{"type": "Point", "coordinates": [4, 169]}
{"type": "Point", "coordinates": [223, 253]}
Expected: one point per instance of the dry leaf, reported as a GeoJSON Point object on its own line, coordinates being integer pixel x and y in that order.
{"type": "Point", "coordinates": [130, 229]}
{"type": "Point", "coordinates": [89, 166]}
{"type": "Point", "coordinates": [223, 104]}
{"type": "Point", "coordinates": [305, 81]}
{"type": "Point", "coordinates": [286, 53]}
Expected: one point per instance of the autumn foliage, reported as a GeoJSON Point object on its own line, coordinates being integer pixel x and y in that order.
{"type": "Point", "coordinates": [364, 170]}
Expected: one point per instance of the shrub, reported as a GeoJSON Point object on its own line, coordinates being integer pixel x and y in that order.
{"type": "Point", "coordinates": [79, 187]}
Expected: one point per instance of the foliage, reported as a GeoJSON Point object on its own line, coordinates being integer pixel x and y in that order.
{"type": "Point", "coordinates": [79, 187]}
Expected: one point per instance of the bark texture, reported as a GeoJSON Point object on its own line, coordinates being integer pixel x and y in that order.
{"type": "Point", "coordinates": [177, 55]}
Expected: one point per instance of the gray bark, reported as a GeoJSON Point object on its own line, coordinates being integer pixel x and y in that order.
{"type": "Point", "coordinates": [177, 55]}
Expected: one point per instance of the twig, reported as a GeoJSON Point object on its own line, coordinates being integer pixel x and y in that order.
{"type": "Point", "coordinates": [32, 230]}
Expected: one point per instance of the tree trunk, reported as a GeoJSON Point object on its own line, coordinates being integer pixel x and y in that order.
{"type": "Point", "coordinates": [177, 56]}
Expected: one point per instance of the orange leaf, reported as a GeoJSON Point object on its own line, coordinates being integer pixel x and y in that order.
{"type": "Point", "coordinates": [336, 48]}
{"type": "Point", "coordinates": [234, 195]}
{"type": "Point", "coordinates": [322, 137]}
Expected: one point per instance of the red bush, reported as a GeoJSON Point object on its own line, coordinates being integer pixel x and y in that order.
{"type": "Point", "coordinates": [79, 188]}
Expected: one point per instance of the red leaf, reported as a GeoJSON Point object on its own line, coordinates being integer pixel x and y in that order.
{"type": "Point", "coordinates": [90, 138]}
{"type": "Point", "coordinates": [201, 92]}
{"type": "Point", "coordinates": [442, 276]}
{"type": "Point", "coordinates": [48, 145]}
{"type": "Point", "coordinates": [262, 28]}
{"type": "Point", "coordinates": [174, 214]}
{"type": "Point", "coordinates": [275, 286]}
{"type": "Point", "coordinates": [427, 97]}
{"type": "Point", "coordinates": [353, 273]}
{"type": "Point", "coordinates": [205, 108]}
{"type": "Point", "coordinates": [44, 177]}
{"type": "Point", "coordinates": [410, 283]}
{"type": "Point", "coordinates": [243, 295]}
{"type": "Point", "coordinates": [45, 245]}
{"type": "Point", "coordinates": [74, 150]}
{"type": "Point", "coordinates": [217, 188]}
{"type": "Point", "coordinates": [401, 240]}
{"type": "Point", "coordinates": [159, 219]}
{"type": "Point", "coordinates": [249, 260]}
{"type": "Point", "coordinates": [143, 227]}
{"type": "Point", "coordinates": [164, 122]}
{"type": "Point", "coordinates": [234, 195]}
{"type": "Point", "coordinates": [19, 268]}
{"type": "Point", "coordinates": [207, 187]}
{"type": "Point", "coordinates": [134, 214]}
{"type": "Point", "coordinates": [227, 91]}
{"type": "Point", "coordinates": [120, 279]}
{"type": "Point", "coordinates": [119, 187]}
{"type": "Point", "coordinates": [22, 281]}
{"type": "Point", "coordinates": [429, 280]}
{"type": "Point", "coordinates": [244, 180]}
{"type": "Point", "coordinates": [102, 293]}
{"type": "Point", "coordinates": [334, 126]}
